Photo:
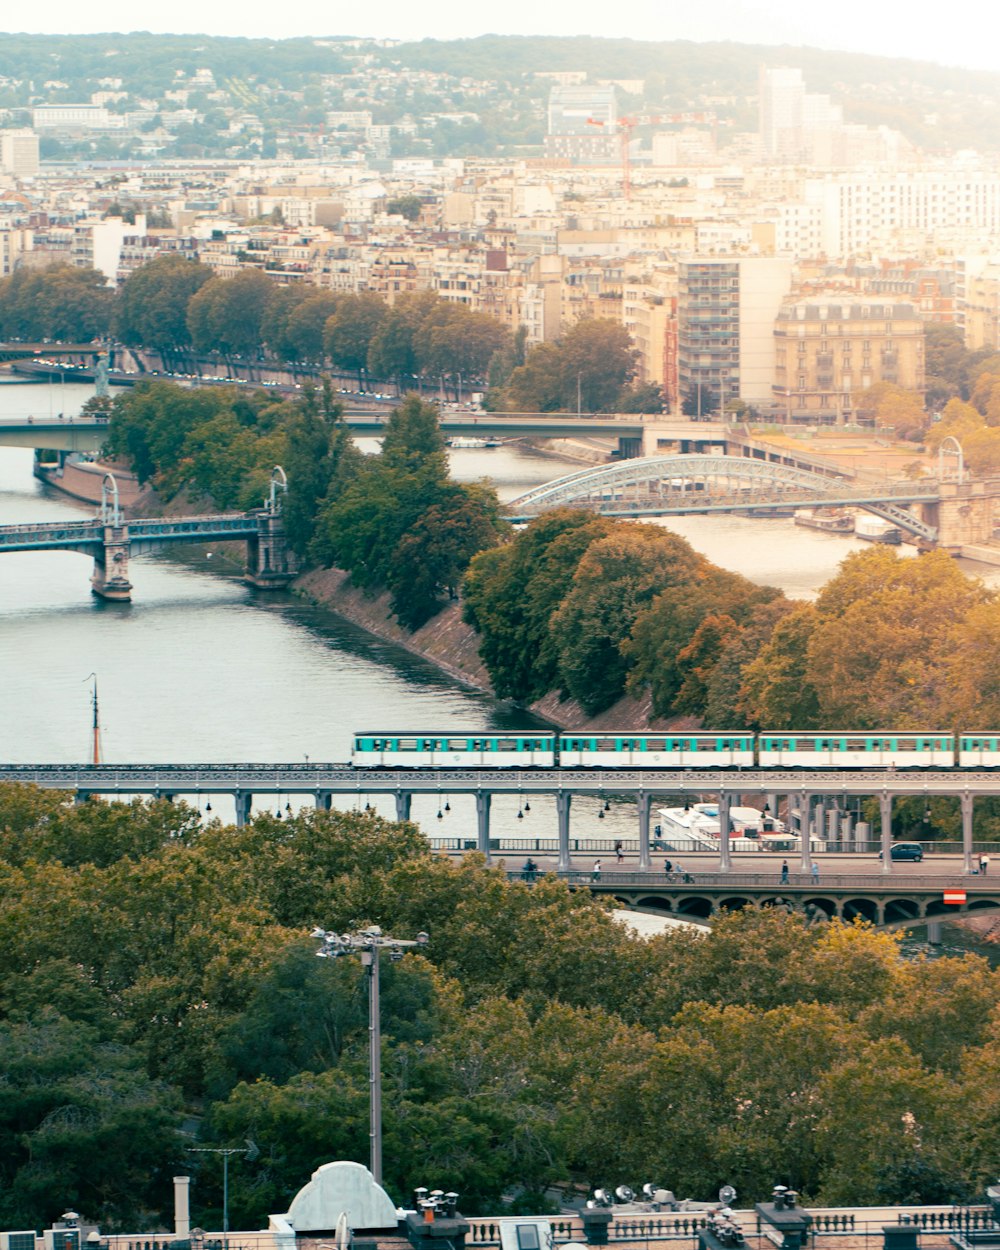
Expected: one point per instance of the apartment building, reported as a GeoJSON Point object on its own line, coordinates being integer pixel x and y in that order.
{"type": "Point", "coordinates": [828, 350]}
{"type": "Point", "coordinates": [726, 308]}
{"type": "Point", "coordinates": [19, 153]}
{"type": "Point", "coordinates": [15, 243]}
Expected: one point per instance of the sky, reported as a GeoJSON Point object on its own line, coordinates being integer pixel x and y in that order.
{"type": "Point", "coordinates": [964, 33]}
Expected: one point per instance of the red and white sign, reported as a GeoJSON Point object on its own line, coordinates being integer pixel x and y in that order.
{"type": "Point", "coordinates": [954, 896]}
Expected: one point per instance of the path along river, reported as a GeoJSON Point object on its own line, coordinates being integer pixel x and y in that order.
{"type": "Point", "coordinates": [199, 667]}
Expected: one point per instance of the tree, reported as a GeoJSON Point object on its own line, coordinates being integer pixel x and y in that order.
{"type": "Point", "coordinates": [892, 407]}
{"type": "Point", "coordinates": [407, 206]}
{"type": "Point", "coordinates": [590, 368]}
{"type": "Point", "coordinates": [777, 690]}
{"type": "Point", "coordinates": [58, 302]}
{"type": "Point", "coordinates": [318, 442]}
{"type": "Point", "coordinates": [511, 592]}
{"type": "Point", "coordinates": [349, 332]}
{"type": "Point", "coordinates": [878, 654]}
{"type": "Point", "coordinates": [432, 556]}
{"type": "Point", "coordinates": [227, 315]}
{"type": "Point", "coordinates": [151, 310]}
{"type": "Point", "coordinates": [617, 577]}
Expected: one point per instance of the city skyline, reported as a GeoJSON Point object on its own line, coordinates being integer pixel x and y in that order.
{"type": "Point", "coordinates": [859, 29]}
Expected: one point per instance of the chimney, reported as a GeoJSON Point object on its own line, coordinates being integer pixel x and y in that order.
{"type": "Point", "coordinates": [182, 1209]}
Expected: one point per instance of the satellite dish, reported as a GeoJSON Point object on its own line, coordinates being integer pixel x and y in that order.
{"type": "Point", "coordinates": [726, 1195]}
{"type": "Point", "coordinates": [624, 1194]}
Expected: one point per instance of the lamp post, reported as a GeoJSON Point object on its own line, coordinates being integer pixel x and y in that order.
{"type": "Point", "coordinates": [368, 943]}
{"type": "Point", "coordinates": [251, 1152]}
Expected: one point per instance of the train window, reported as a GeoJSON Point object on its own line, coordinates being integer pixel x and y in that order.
{"type": "Point", "coordinates": [606, 744]}
{"type": "Point", "coordinates": [458, 744]}
{"type": "Point", "coordinates": [408, 744]}
{"type": "Point", "coordinates": [657, 744]}
{"type": "Point", "coordinates": [855, 744]}
{"type": "Point", "coordinates": [506, 744]}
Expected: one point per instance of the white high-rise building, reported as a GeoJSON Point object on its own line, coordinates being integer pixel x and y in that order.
{"type": "Point", "coordinates": [782, 100]}
{"type": "Point", "coordinates": [19, 153]}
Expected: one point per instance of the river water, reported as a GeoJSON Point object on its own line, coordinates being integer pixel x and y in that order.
{"type": "Point", "coordinates": [200, 667]}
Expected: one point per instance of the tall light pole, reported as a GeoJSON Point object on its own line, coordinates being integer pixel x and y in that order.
{"type": "Point", "coordinates": [367, 944]}
{"type": "Point", "coordinates": [251, 1152]}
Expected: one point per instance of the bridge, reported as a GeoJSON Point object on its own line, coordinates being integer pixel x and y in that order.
{"type": "Point", "coordinates": [110, 539]}
{"type": "Point", "coordinates": [887, 896]}
{"type": "Point", "coordinates": [675, 485]}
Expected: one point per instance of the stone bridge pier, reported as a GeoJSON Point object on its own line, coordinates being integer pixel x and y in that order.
{"type": "Point", "coordinates": [271, 563]}
{"type": "Point", "coordinates": [964, 514]}
{"type": "Point", "coordinates": [110, 577]}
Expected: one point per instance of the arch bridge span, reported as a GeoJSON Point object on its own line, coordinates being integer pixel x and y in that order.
{"type": "Point", "coordinates": [672, 485]}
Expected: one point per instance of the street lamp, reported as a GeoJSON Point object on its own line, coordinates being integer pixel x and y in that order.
{"type": "Point", "coordinates": [367, 944]}
{"type": "Point", "coordinates": [251, 1152]}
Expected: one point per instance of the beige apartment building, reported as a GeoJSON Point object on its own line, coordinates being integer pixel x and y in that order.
{"type": "Point", "coordinates": [829, 350]}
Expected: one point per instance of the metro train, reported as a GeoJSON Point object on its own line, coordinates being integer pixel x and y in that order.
{"type": "Point", "coordinates": [789, 749]}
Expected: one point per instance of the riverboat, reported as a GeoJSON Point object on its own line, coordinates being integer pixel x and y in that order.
{"type": "Point", "coordinates": [467, 443]}
{"type": "Point", "coordinates": [827, 522]}
{"type": "Point", "coordinates": [874, 529]}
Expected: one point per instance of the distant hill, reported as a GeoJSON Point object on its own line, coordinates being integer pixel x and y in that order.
{"type": "Point", "coordinates": [293, 82]}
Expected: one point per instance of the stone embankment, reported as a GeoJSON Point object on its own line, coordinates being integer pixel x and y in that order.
{"type": "Point", "coordinates": [453, 646]}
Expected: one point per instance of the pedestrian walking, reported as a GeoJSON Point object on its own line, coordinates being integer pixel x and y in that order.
{"type": "Point", "coordinates": [984, 864]}
{"type": "Point", "coordinates": [784, 872]}
{"type": "Point", "coordinates": [530, 869]}
{"type": "Point", "coordinates": [814, 869]}
{"type": "Point", "coordinates": [667, 867]}
{"type": "Point", "coordinates": [595, 874]}
{"type": "Point", "coordinates": [619, 853]}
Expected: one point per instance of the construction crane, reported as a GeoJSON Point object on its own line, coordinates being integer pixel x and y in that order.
{"type": "Point", "coordinates": [625, 126]}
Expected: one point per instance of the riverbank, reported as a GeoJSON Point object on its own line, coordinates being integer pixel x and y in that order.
{"type": "Point", "coordinates": [453, 646]}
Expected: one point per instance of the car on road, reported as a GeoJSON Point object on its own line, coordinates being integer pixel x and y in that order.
{"type": "Point", "coordinates": [906, 850]}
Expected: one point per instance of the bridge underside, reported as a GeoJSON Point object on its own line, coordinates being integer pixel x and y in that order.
{"type": "Point", "coordinates": [884, 909]}
{"type": "Point", "coordinates": [674, 485]}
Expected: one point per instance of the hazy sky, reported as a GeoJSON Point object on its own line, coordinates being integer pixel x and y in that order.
{"type": "Point", "coordinates": [960, 34]}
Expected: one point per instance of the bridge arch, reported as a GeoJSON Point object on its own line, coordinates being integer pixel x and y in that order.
{"type": "Point", "coordinates": [861, 909]}
{"type": "Point", "coordinates": [667, 485]}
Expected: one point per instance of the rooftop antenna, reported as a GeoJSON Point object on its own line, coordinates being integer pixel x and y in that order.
{"type": "Point", "coordinates": [96, 722]}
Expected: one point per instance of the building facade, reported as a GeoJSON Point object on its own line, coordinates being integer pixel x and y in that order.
{"type": "Point", "coordinates": [828, 351]}
{"type": "Point", "coordinates": [726, 308]}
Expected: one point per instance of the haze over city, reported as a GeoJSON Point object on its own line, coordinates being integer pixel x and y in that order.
{"type": "Point", "coordinates": [883, 30]}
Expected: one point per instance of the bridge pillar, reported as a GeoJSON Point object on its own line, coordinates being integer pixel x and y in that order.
{"type": "Point", "coordinates": [725, 857]}
{"type": "Point", "coordinates": [965, 513]}
{"type": "Point", "coordinates": [805, 832]}
{"type": "Point", "coordinates": [271, 564]}
{"type": "Point", "coordinates": [483, 800]}
{"type": "Point", "coordinates": [967, 802]}
{"type": "Point", "coordinates": [324, 800]}
{"type": "Point", "coordinates": [644, 806]}
{"type": "Point", "coordinates": [934, 932]}
{"type": "Point", "coordinates": [110, 577]}
{"type": "Point", "coordinates": [563, 801]}
{"type": "Point", "coordinates": [244, 801]}
{"type": "Point", "coordinates": [885, 809]}
{"type": "Point", "coordinates": [404, 801]}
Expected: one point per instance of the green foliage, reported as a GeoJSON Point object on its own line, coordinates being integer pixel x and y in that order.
{"type": "Point", "coordinates": [407, 206]}
{"type": "Point", "coordinates": [589, 369]}
{"type": "Point", "coordinates": [58, 302]}
{"type": "Point", "coordinates": [533, 1042]}
{"type": "Point", "coordinates": [151, 310]}
{"type": "Point", "coordinates": [398, 522]}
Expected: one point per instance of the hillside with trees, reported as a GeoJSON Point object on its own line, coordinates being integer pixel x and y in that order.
{"type": "Point", "coordinates": [290, 83]}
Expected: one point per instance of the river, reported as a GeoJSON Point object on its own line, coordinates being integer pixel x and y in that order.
{"type": "Point", "coordinates": [200, 667]}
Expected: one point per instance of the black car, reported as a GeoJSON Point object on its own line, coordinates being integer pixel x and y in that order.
{"type": "Point", "coordinates": [905, 850]}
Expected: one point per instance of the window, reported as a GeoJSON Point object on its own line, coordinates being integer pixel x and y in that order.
{"type": "Point", "coordinates": [527, 1237]}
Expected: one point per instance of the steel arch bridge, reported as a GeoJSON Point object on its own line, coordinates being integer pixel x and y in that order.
{"type": "Point", "coordinates": [670, 485]}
